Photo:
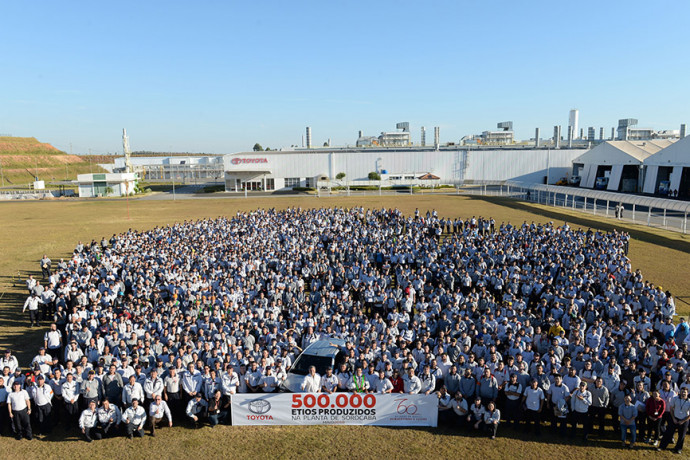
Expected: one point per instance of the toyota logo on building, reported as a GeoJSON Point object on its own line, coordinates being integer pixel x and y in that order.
{"type": "Point", "coordinates": [239, 161]}
{"type": "Point", "coordinates": [259, 406]}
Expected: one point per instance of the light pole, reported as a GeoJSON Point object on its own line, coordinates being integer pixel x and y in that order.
{"type": "Point", "coordinates": [173, 179]}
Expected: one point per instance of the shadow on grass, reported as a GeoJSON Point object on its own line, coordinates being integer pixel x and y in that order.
{"type": "Point", "coordinates": [63, 433]}
{"type": "Point", "coordinates": [16, 333]}
{"type": "Point", "coordinates": [548, 436]}
{"type": "Point", "coordinates": [593, 222]}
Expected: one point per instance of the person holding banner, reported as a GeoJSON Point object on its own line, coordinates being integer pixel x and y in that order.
{"type": "Point", "coordinates": [358, 383]}
{"type": "Point", "coordinates": [329, 382]}
{"type": "Point", "coordinates": [312, 381]}
{"type": "Point", "coordinates": [411, 382]}
{"type": "Point", "coordinates": [344, 377]}
{"type": "Point", "coordinates": [382, 384]}
{"type": "Point", "coordinates": [268, 383]}
{"type": "Point", "coordinates": [445, 407]}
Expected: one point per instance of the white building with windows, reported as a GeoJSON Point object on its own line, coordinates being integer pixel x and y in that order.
{"type": "Point", "coordinates": [102, 185]}
{"type": "Point", "coordinates": [283, 170]}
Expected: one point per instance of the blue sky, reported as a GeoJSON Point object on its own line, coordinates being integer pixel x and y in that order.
{"type": "Point", "coordinates": [218, 76]}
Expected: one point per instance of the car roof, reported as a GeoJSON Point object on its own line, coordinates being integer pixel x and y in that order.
{"type": "Point", "coordinates": [324, 347]}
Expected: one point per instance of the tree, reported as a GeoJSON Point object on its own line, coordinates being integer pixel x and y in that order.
{"type": "Point", "coordinates": [268, 149]}
{"type": "Point", "coordinates": [325, 144]}
{"type": "Point", "coordinates": [258, 148]}
{"type": "Point", "coordinates": [374, 176]}
{"type": "Point", "coordinates": [340, 175]}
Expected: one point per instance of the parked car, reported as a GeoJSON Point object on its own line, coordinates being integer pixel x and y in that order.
{"type": "Point", "coordinates": [320, 354]}
{"type": "Point", "coordinates": [601, 183]}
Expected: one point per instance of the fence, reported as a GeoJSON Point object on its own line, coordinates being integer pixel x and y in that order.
{"type": "Point", "coordinates": [650, 211]}
{"type": "Point", "coordinates": [8, 195]}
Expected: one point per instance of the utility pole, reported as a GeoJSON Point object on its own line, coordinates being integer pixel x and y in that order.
{"type": "Point", "coordinates": [2, 174]}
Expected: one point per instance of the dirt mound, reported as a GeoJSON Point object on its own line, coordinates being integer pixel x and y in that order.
{"type": "Point", "coordinates": [25, 144]}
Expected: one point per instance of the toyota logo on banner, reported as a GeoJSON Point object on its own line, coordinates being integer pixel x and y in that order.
{"type": "Point", "coordinates": [259, 406]}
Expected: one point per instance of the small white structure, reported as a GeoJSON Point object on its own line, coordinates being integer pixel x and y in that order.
{"type": "Point", "coordinates": [39, 185]}
{"type": "Point", "coordinates": [99, 185]}
{"type": "Point", "coordinates": [669, 170]}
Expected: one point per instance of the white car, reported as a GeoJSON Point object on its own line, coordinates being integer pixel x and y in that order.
{"type": "Point", "coordinates": [320, 354]}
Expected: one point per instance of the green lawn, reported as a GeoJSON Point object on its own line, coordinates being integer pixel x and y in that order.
{"type": "Point", "coordinates": [30, 229]}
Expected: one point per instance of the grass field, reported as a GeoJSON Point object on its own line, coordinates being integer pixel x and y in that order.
{"type": "Point", "coordinates": [30, 229]}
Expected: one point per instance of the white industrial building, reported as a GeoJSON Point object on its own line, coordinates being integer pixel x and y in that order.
{"type": "Point", "coordinates": [284, 170]}
{"type": "Point", "coordinates": [616, 165]}
{"type": "Point", "coordinates": [178, 167]}
{"type": "Point", "coordinates": [669, 169]}
{"type": "Point", "coordinates": [99, 185]}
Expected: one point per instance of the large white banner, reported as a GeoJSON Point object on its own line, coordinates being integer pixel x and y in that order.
{"type": "Point", "coordinates": [334, 409]}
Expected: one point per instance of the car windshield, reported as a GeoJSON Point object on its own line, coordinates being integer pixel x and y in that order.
{"type": "Point", "coordinates": [303, 362]}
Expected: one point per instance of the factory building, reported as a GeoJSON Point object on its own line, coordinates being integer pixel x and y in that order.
{"type": "Point", "coordinates": [669, 170]}
{"type": "Point", "coordinates": [616, 165]}
{"type": "Point", "coordinates": [284, 170]}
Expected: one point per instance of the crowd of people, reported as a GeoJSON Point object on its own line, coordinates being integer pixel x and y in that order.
{"type": "Point", "coordinates": [532, 324]}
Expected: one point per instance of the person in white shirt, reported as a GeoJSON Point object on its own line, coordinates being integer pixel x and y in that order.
{"type": "Point", "coordinates": [412, 384]}
{"type": "Point", "coordinates": [153, 386]}
{"type": "Point", "coordinates": [9, 361]}
{"type": "Point", "coordinates": [229, 381]}
{"type": "Point", "coordinates": [580, 401]}
{"type": "Point", "coordinates": [312, 381]}
{"type": "Point", "coordinates": [157, 410]}
{"type": "Point", "coordinates": [42, 395]}
{"type": "Point", "coordinates": [70, 395]}
{"type": "Point", "coordinates": [32, 303]}
{"type": "Point", "coordinates": [491, 418]}
{"type": "Point", "coordinates": [329, 382]}
{"type": "Point", "coordinates": [344, 377]}
{"type": "Point", "coordinates": [253, 378]}
{"type": "Point", "coordinates": [533, 399]}
{"type": "Point", "coordinates": [134, 419]}
{"type": "Point", "coordinates": [88, 422]}
{"type": "Point", "coordinates": [19, 407]}
{"type": "Point", "coordinates": [171, 392]}
{"type": "Point", "coordinates": [445, 407]}
{"type": "Point", "coordinates": [43, 361]}
{"type": "Point", "coordinates": [460, 409]}
{"type": "Point", "coordinates": [196, 409]}
{"type": "Point", "coordinates": [476, 413]}
{"type": "Point", "coordinates": [382, 383]}
{"type": "Point", "coordinates": [268, 382]}
{"type": "Point", "coordinates": [52, 341]}
{"type": "Point", "coordinates": [680, 418]}
{"type": "Point", "coordinates": [109, 418]}
{"type": "Point", "coordinates": [131, 391]}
